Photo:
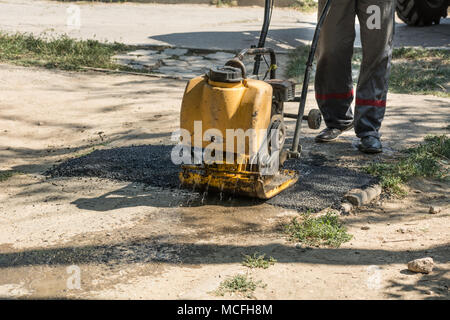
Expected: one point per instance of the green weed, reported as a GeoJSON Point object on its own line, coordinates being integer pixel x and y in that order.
{"type": "Point", "coordinates": [239, 284]}
{"type": "Point", "coordinates": [61, 52]}
{"type": "Point", "coordinates": [430, 160]}
{"type": "Point", "coordinates": [316, 231]}
{"type": "Point", "coordinates": [258, 261]}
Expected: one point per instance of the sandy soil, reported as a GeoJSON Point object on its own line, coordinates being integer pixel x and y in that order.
{"type": "Point", "coordinates": [192, 26]}
{"type": "Point", "coordinates": [136, 241]}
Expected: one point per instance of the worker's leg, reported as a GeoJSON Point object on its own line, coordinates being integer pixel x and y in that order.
{"type": "Point", "coordinates": [376, 18]}
{"type": "Point", "coordinates": [333, 82]}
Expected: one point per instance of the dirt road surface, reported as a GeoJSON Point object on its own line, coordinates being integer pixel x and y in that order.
{"type": "Point", "coordinates": [117, 215]}
{"type": "Point", "coordinates": [192, 26]}
{"type": "Point", "coordinates": [136, 240]}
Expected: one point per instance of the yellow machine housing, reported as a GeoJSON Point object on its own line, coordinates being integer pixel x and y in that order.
{"type": "Point", "coordinates": [244, 104]}
{"type": "Point", "coordinates": [218, 105]}
{"type": "Point", "coordinates": [225, 99]}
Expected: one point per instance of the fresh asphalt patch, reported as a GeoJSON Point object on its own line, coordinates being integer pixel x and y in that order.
{"type": "Point", "coordinates": [321, 184]}
{"type": "Point", "coordinates": [149, 164]}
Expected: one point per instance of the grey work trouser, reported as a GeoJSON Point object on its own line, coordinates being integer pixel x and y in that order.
{"type": "Point", "coordinates": [333, 83]}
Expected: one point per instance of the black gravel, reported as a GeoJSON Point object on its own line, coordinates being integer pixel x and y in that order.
{"type": "Point", "coordinates": [321, 183]}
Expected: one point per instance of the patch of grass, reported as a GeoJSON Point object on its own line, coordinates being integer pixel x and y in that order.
{"type": "Point", "coordinates": [6, 174]}
{"type": "Point", "coordinates": [419, 53]}
{"type": "Point", "coordinates": [107, 1]}
{"type": "Point", "coordinates": [258, 261]}
{"type": "Point", "coordinates": [305, 5]}
{"type": "Point", "coordinates": [316, 231]}
{"type": "Point", "coordinates": [414, 71]}
{"type": "Point", "coordinates": [239, 284]}
{"type": "Point", "coordinates": [58, 52]}
{"type": "Point", "coordinates": [430, 160]}
{"type": "Point", "coordinates": [297, 62]}
{"type": "Point", "coordinates": [222, 3]}
{"type": "Point", "coordinates": [420, 71]}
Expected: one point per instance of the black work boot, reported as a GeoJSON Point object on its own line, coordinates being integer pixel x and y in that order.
{"type": "Point", "coordinates": [370, 144]}
{"type": "Point", "coordinates": [330, 134]}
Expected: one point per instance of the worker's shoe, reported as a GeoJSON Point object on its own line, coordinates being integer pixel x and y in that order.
{"type": "Point", "coordinates": [370, 144]}
{"type": "Point", "coordinates": [330, 134]}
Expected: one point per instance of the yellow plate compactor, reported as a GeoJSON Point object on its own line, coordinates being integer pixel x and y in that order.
{"type": "Point", "coordinates": [234, 125]}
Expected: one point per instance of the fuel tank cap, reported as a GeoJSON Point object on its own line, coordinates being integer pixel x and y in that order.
{"type": "Point", "coordinates": [225, 74]}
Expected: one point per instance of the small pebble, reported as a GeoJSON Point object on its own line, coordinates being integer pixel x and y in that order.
{"type": "Point", "coordinates": [434, 210]}
{"type": "Point", "coordinates": [424, 265]}
{"type": "Point", "coordinates": [346, 207]}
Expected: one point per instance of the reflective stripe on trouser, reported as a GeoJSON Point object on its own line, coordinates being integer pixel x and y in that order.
{"type": "Point", "coordinates": [333, 82]}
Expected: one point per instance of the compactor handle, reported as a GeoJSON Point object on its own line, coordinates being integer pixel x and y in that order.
{"type": "Point", "coordinates": [237, 60]}
{"type": "Point", "coordinates": [294, 152]}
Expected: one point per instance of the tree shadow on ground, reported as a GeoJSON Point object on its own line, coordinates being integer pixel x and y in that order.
{"type": "Point", "coordinates": [161, 197]}
{"type": "Point", "coordinates": [280, 39]}
{"type": "Point", "coordinates": [195, 253]}
{"type": "Point", "coordinates": [435, 285]}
